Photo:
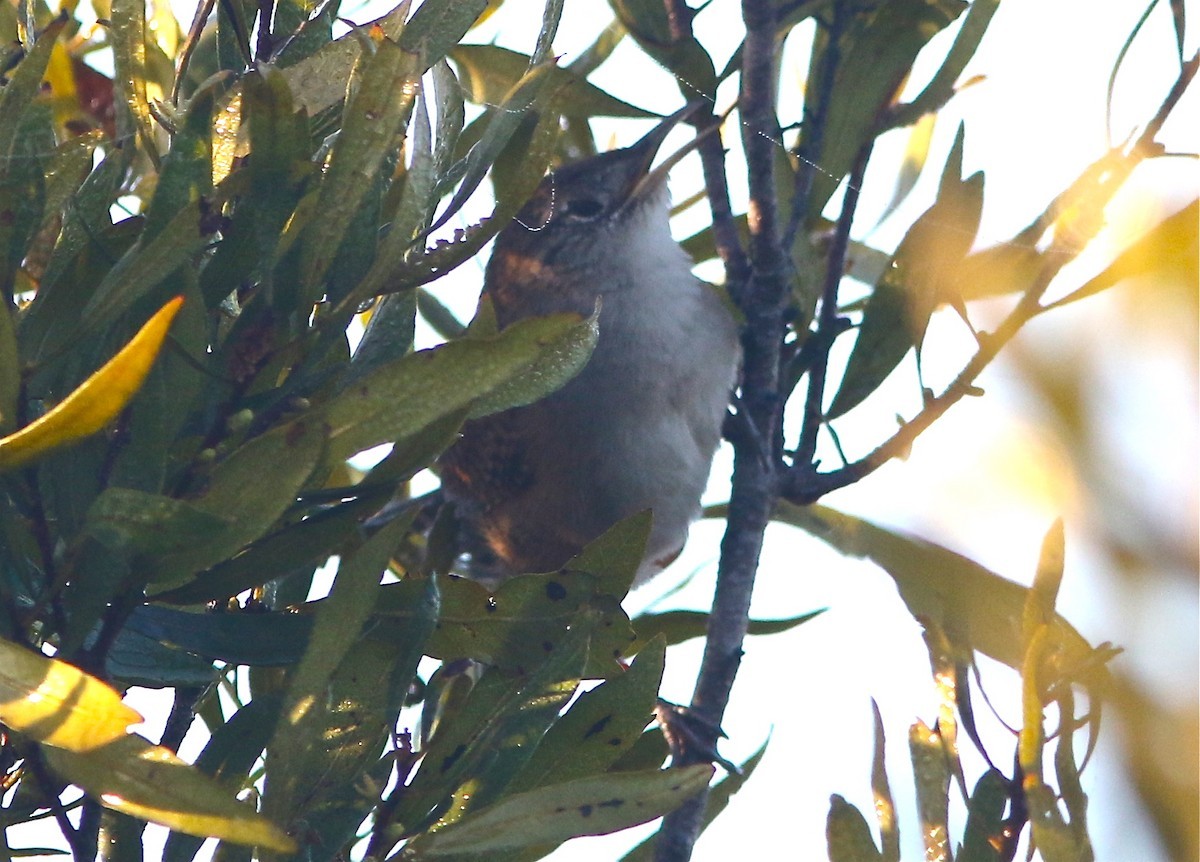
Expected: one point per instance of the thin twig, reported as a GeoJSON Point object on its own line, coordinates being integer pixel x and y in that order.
{"type": "Point", "coordinates": [827, 321]}
{"type": "Point", "coordinates": [754, 478]}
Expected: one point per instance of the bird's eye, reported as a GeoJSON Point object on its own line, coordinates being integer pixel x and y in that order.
{"type": "Point", "coordinates": [583, 209]}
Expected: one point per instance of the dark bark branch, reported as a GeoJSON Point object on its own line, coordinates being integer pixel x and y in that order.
{"type": "Point", "coordinates": [827, 321]}
{"type": "Point", "coordinates": [755, 478]}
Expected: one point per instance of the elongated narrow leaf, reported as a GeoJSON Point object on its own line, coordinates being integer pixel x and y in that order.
{"type": "Point", "coordinates": [136, 777]}
{"type": "Point", "coordinates": [251, 489]}
{"type": "Point", "coordinates": [601, 725]}
{"type": "Point", "coordinates": [719, 796]}
{"type": "Point", "coordinates": [436, 27]}
{"type": "Point", "coordinates": [58, 704]}
{"type": "Point", "coordinates": [517, 626]}
{"type": "Point", "coordinates": [985, 819]}
{"type": "Point", "coordinates": [977, 608]}
{"type": "Point", "coordinates": [128, 32]}
{"type": "Point", "coordinates": [847, 834]}
{"type": "Point", "coordinates": [1169, 250]}
{"type": "Point", "coordinates": [319, 81]}
{"type": "Point", "coordinates": [680, 626]}
{"type": "Point", "coordinates": [479, 745]}
{"type": "Point", "coordinates": [489, 73]}
{"type": "Point", "coordinates": [588, 806]}
{"type": "Point", "coordinates": [399, 399]}
{"type": "Point", "coordinates": [21, 88]}
{"type": "Point", "coordinates": [98, 399]}
{"type": "Point", "coordinates": [376, 113]}
{"type": "Point", "coordinates": [931, 771]}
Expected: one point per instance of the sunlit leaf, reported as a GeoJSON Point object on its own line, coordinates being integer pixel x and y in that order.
{"type": "Point", "coordinates": [58, 704]}
{"type": "Point", "coordinates": [136, 777]}
{"type": "Point", "coordinates": [931, 771]}
{"type": "Point", "coordinates": [1169, 250]}
{"type": "Point", "coordinates": [97, 400]}
{"type": "Point", "coordinates": [128, 32]}
{"type": "Point", "coordinates": [885, 808]}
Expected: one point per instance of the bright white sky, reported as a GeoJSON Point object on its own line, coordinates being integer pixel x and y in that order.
{"type": "Point", "coordinates": [986, 481]}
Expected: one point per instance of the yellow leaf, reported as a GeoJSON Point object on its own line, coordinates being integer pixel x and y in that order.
{"type": "Point", "coordinates": [97, 400]}
{"type": "Point", "coordinates": [136, 777]}
{"type": "Point", "coordinates": [57, 703]}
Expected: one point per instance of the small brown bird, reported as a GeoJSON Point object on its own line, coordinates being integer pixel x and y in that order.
{"type": "Point", "coordinates": [637, 428]}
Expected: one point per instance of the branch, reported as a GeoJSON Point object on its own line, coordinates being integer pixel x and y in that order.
{"type": "Point", "coordinates": [828, 326]}
{"type": "Point", "coordinates": [755, 477]}
{"type": "Point", "coordinates": [1089, 195]}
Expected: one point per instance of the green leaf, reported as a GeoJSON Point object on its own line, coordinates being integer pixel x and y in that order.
{"type": "Point", "coordinates": [526, 620]}
{"type": "Point", "coordinates": [600, 726]}
{"type": "Point", "coordinates": [255, 639]}
{"type": "Point", "coordinates": [587, 806]}
{"type": "Point", "coordinates": [319, 80]}
{"type": "Point", "coordinates": [719, 796]}
{"type": "Point", "coordinates": [686, 58]}
{"type": "Point", "coordinates": [140, 523]}
{"type": "Point", "coordinates": [401, 398]}
{"type": "Point", "coordinates": [145, 266]}
{"type": "Point", "coordinates": [535, 89]}
{"type": "Point", "coordinates": [985, 819]}
{"type": "Point", "coordinates": [251, 488]}
{"type": "Point", "coordinates": [186, 173]}
{"type": "Point", "coordinates": [10, 376]}
{"type": "Point", "coordinates": [435, 28]}
{"type": "Point", "coordinates": [876, 53]}
{"type": "Point", "coordinates": [231, 752]}
{"type": "Point", "coordinates": [847, 835]}
{"type": "Point", "coordinates": [338, 625]}
{"type": "Point", "coordinates": [615, 556]}
{"type": "Point", "coordinates": [331, 773]}
{"type": "Point", "coordinates": [384, 85]}
{"type": "Point", "coordinates": [310, 541]}
{"type": "Point", "coordinates": [477, 748]}
{"type": "Point", "coordinates": [127, 30]}
{"type": "Point", "coordinates": [489, 73]}
{"type": "Point", "coordinates": [924, 273]}
{"type": "Point", "coordinates": [681, 626]}
{"type": "Point", "coordinates": [136, 777]}
{"type": "Point", "coordinates": [134, 659]}
{"type": "Point", "coordinates": [22, 86]}
{"type": "Point", "coordinates": [975, 607]}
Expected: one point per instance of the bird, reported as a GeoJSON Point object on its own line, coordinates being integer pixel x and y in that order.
{"type": "Point", "coordinates": [638, 426]}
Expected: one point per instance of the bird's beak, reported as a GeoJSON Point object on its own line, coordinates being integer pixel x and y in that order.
{"type": "Point", "coordinates": [643, 179]}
